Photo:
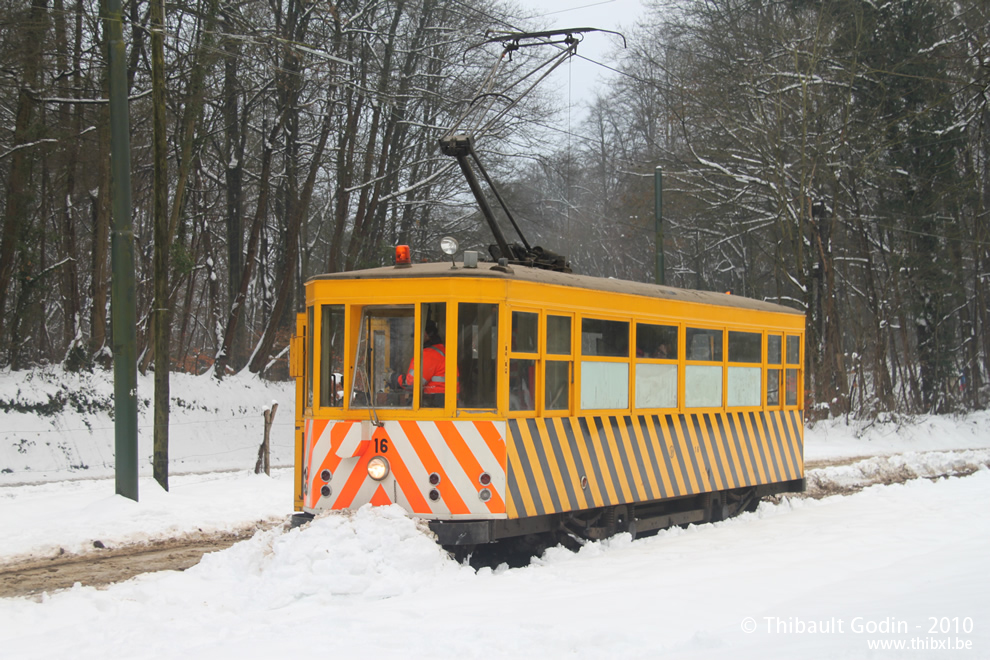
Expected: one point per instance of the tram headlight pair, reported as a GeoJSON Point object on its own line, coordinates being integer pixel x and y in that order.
{"type": "Point", "coordinates": [378, 468]}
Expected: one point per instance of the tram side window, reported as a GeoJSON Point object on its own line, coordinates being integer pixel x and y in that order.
{"type": "Point", "coordinates": [522, 384]}
{"type": "Point", "coordinates": [331, 355]}
{"type": "Point", "coordinates": [477, 354]}
{"type": "Point", "coordinates": [522, 372]}
{"type": "Point", "coordinates": [744, 382]}
{"type": "Point", "coordinates": [703, 382]}
{"type": "Point", "coordinates": [558, 335]}
{"type": "Point", "coordinates": [525, 332]}
{"type": "Point", "coordinates": [792, 375]}
{"type": "Point", "coordinates": [656, 383]}
{"type": "Point", "coordinates": [557, 384]}
{"type": "Point", "coordinates": [793, 350]}
{"type": "Point", "coordinates": [656, 341]}
{"type": "Point", "coordinates": [774, 359]}
{"type": "Point", "coordinates": [604, 338]}
{"type": "Point", "coordinates": [604, 384]}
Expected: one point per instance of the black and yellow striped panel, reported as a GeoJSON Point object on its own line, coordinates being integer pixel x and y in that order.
{"type": "Point", "coordinates": [571, 463]}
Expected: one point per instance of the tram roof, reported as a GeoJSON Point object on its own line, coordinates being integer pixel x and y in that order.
{"type": "Point", "coordinates": [516, 273]}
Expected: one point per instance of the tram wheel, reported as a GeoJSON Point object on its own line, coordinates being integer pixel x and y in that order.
{"type": "Point", "coordinates": [621, 519]}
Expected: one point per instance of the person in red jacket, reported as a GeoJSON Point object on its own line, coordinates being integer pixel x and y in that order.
{"type": "Point", "coordinates": [434, 366]}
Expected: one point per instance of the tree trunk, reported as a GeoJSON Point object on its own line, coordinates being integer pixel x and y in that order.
{"type": "Point", "coordinates": [237, 307]}
{"type": "Point", "coordinates": [19, 193]}
{"type": "Point", "coordinates": [286, 292]}
{"type": "Point", "coordinates": [161, 314]}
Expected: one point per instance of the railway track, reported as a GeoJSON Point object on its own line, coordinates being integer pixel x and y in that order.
{"type": "Point", "coordinates": [103, 566]}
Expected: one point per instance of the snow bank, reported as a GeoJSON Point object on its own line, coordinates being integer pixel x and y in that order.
{"type": "Point", "coordinates": [836, 438]}
{"type": "Point", "coordinates": [372, 584]}
{"type": "Point", "coordinates": [57, 425]}
{"type": "Point", "coordinates": [45, 520]}
{"type": "Point", "coordinates": [833, 479]}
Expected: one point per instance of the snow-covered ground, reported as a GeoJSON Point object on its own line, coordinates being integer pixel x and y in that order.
{"type": "Point", "coordinates": [56, 425]}
{"type": "Point", "coordinates": [893, 564]}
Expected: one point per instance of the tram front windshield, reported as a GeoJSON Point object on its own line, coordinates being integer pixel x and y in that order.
{"type": "Point", "coordinates": [385, 345]}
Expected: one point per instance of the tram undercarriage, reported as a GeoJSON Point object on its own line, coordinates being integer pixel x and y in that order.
{"type": "Point", "coordinates": [531, 535]}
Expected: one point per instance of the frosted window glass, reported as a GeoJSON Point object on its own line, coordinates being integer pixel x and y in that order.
{"type": "Point", "coordinates": [604, 385]}
{"type": "Point", "coordinates": [702, 386]}
{"type": "Point", "coordinates": [744, 386]}
{"type": "Point", "coordinates": [656, 385]}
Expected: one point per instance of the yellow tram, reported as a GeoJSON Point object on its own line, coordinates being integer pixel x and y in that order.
{"type": "Point", "coordinates": [566, 402]}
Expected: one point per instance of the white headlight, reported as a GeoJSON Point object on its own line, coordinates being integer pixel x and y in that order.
{"type": "Point", "coordinates": [378, 468]}
{"type": "Point", "coordinates": [448, 244]}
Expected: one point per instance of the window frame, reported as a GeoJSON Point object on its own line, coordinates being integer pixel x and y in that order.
{"type": "Point", "coordinates": [581, 359]}
{"type": "Point", "coordinates": [721, 364]}
{"type": "Point", "coordinates": [676, 361]}
{"type": "Point", "coordinates": [752, 367]}
{"type": "Point", "coordinates": [505, 390]}
{"type": "Point", "coordinates": [547, 358]}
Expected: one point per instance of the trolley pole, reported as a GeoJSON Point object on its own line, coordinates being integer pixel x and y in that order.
{"type": "Point", "coordinates": [123, 306]}
{"type": "Point", "coordinates": [658, 214]}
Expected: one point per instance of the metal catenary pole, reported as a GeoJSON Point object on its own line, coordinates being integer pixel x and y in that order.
{"type": "Point", "coordinates": [658, 214]}
{"type": "Point", "coordinates": [123, 306]}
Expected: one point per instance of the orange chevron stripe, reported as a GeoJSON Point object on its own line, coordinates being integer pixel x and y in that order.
{"type": "Point", "coordinates": [380, 498]}
{"type": "Point", "coordinates": [496, 443]}
{"type": "Point", "coordinates": [468, 462]}
{"type": "Point", "coordinates": [353, 484]}
{"type": "Point", "coordinates": [407, 484]}
{"type": "Point", "coordinates": [337, 433]}
{"type": "Point", "coordinates": [432, 464]}
{"type": "Point", "coordinates": [316, 429]}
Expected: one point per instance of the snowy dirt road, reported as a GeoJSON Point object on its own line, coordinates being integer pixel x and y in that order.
{"type": "Point", "coordinates": [101, 565]}
{"type": "Point", "coordinates": [904, 558]}
{"type": "Point", "coordinates": [837, 577]}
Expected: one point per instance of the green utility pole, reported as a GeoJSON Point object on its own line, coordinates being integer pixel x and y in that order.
{"type": "Point", "coordinates": [658, 214]}
{"type": "Point", "coordinates": [122, 306]}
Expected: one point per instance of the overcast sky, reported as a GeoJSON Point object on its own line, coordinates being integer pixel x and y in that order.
{"type": "Point", "coordinates": [620, 15]}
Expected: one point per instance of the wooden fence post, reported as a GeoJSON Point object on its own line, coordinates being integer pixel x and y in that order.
{"type": "Point", "coordinates": [264, 453]}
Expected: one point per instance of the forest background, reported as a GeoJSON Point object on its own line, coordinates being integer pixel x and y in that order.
{"type": "Point", "coordinates": [830, 155]}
